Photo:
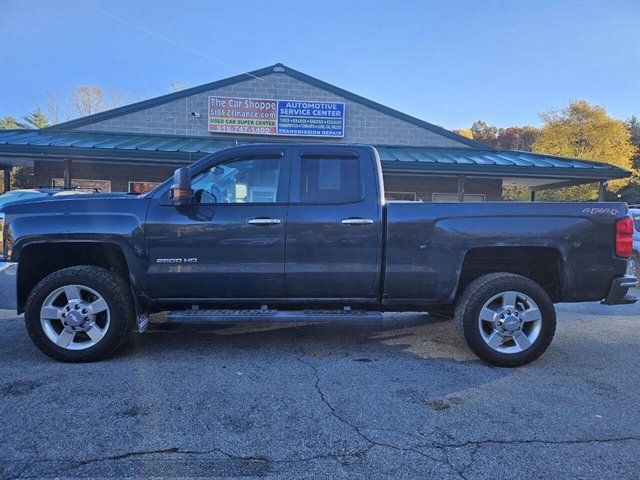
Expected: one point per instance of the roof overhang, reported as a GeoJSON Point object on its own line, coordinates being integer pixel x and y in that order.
{"type": "Point", "coordinates": [23, 147]}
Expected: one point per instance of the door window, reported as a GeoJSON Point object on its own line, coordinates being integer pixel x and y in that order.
{"type": "Point", "coordinates": [330, 180]}
{"type": "Point", "coordinates": [239, 181]}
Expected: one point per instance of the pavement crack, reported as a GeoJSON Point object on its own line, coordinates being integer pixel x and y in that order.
{"type": "Point", "coordinates": [74, 464]}
{"type": "Point", "coordinates": [532, 441]}
{"type": "Point", "coordinates": [371, 443]}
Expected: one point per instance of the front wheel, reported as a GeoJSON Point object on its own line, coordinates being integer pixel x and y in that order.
{"type": "Point", "coordinates": [79, 314]}
{"type": "Point", "coordinates": [507, 320]}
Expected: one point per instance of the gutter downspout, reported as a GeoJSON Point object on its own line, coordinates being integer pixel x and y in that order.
{"type": "Point", "coordinates": [67, 173]}
{"type": "Point", "coordinates": [602, 190]}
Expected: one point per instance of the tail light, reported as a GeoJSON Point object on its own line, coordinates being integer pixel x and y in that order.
{"type": "Point", "coordinates": [624, 237]}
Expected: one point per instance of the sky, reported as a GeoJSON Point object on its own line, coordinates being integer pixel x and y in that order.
{"type": "Point", "coordinates": [449, 63]}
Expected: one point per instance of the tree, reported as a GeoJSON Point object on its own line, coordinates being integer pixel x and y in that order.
{"type": "Point", "coordinates": [36, 119]}
{"type": "Point", "coordinates": [9, 123]}
{"type": "Point", "coordinates": [53, 108]}
{"type": "Point", "coordinates": [517, 138]}
{"type": "Point", "coordinates": [465, 132]}
{"type": "Point", "coordinates": [585, 131]}
{"type": "Point", "coordinates": [633, 124]}
{"type": "Point", "coordinates": [484, 133]}
{"type": "Point", "coordinates": [88, 99]}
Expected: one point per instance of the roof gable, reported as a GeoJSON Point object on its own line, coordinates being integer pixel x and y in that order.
{"type": "Point", "coordinates": [277, 68]}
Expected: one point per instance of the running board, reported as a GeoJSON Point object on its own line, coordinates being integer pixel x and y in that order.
{"type": "Point", "coordinates": [266, 315]}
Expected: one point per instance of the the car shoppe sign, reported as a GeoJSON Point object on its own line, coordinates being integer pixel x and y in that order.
{"type": "Point", "coordinates": [255, 116]}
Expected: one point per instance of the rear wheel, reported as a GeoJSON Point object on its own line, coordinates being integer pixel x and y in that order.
{"type": "Point", "coordinates": [507, 320]}
{"type": "Point", "coordinates": [79, 314]}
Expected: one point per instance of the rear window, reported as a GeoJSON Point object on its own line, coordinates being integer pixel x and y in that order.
{"type": "Point", "coordinates": [330, 180]}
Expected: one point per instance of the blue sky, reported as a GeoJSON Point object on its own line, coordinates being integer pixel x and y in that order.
{"type": "Point", "coordinates": [449, 63]}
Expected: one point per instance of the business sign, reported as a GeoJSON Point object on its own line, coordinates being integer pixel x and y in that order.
{"type": "Point", "coordinates": [256, 116]}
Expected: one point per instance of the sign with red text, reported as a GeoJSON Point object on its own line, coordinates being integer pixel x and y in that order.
{"type": "Point", "coordinates": [255, 116]}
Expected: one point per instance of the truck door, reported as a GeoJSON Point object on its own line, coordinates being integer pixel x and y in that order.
{"type": "Point", "coordinates": [334, 224]}
{"type": "Point", "coordinates": [230, 242]}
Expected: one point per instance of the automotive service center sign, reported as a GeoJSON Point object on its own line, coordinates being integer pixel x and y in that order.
{"type": "Point", "coordinates": [255, 116]}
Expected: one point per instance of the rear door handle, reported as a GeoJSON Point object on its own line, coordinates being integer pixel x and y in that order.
{"type": "Point", "coordinates": [265, 221]}
{"type": "Point", "coordinates": [357, 221]}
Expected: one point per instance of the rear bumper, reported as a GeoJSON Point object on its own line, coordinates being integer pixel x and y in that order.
{"type": "Point", "coordinates": [8, 286]}
{"type": "Point", "coordinates": [618, 291]}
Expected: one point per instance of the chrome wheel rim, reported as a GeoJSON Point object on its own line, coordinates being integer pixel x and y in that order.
{"type": "Point", "coordinates": [75, 317]}
{"type": "Point", "coordinates": [510, 322]}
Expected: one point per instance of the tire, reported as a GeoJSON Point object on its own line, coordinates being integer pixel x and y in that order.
{"type": "Point", "coordinates": [84, 336]}
{"type": "Point", "coordinates": [502, 335]}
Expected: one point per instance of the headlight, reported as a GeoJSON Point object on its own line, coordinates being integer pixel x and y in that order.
{"type": "Point", "coordinates": [1, 235]}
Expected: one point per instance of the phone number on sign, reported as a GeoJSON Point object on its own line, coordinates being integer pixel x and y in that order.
{"type": "Point", "coordinates": [242, 129]}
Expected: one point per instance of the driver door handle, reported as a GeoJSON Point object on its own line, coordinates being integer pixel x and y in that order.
{"type": "Point", "coordinates": [265, 221]}
{"type": "Point", "coordinates": [357, 221]}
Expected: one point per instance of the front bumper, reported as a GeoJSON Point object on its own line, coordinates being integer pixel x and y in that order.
{"type": "Point", "coordinates": [8, 285]}
{"type": "Point", "coordinates": [618, 291]}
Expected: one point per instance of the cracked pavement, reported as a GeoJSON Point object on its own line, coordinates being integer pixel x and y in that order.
{"type": "Point", "coordinates": [401, 398]}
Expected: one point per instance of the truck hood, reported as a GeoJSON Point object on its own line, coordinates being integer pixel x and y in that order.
{"type": "Point", "coordinates": [98, 202]}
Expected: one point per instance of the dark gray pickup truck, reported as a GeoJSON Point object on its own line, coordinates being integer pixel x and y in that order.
{"type": "Point", "coordinates": [282, 232]}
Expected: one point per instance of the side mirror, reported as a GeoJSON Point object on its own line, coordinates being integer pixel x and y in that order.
{"type": "Point", "coordinates": [181, 193]}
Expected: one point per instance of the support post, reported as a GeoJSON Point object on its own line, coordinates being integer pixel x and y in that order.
{"type": "Point", "coordinates": [602, 191]}
{"type": "Point", "coordinates": [461, 179]}
{"type": "Point", "coordinates": [7, 179]}
{"type": "Point", "coordinates": [532, 195]}
{"type": "Point", "coordinates": [67, 173]}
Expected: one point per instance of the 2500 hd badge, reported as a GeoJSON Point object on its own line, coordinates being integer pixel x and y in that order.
{"type": "Point", "coordinates": [177, 260]}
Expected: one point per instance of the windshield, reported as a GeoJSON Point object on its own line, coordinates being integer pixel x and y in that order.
{"type": "Point", "coordinates": [11, 197]}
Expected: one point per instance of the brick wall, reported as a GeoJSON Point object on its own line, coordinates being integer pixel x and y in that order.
{"type": "Point", "coordinates": [362, 124]}
{"type": "Point", "coordinates": [424, 186]}
{"type": "Point", "coordinates": [119, 174]}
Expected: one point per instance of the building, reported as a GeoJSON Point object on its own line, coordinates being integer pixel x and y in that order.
{"type": "Point", "coordinates": [132, 148]}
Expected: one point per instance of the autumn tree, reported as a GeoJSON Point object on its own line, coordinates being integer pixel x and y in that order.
{"type": "Point", "coordinates": [633, 124]}
{"type": "Point", "coordinates": [509, 138]}
{"type": "Point", "coordinates": [464, 132]}
{"type": "Point", "coordinates": [585, 131]}
{"type": "Point", "coordinates": [484, 133]}
{"type": "Point", "coordinates": [517, 138]}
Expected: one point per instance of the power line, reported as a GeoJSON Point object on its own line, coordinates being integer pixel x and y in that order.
{"type": "Point", "coordinates": [162, 37]}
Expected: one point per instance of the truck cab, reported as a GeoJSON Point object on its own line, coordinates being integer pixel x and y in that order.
{"type": "Point", "coordinates": [270, 223]}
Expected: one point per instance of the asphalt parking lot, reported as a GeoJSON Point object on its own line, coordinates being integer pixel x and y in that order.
{"type": "Point", "coordinates": [397, 399]}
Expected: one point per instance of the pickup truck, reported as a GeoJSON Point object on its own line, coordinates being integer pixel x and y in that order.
{"type": "Point", "coordinates": [301, 231]}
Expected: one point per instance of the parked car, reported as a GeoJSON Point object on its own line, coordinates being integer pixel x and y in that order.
{"type": "Point", "coordinates": [634, 260]}
{"type": "Point", "coordinates": [281, 232]}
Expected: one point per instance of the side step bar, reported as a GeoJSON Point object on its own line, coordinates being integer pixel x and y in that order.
{"type": "Point", "coordinates": [267, 315]}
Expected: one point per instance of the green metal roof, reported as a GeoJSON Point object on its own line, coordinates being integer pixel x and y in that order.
{"type": "Point", "coordinates": [153, 149]}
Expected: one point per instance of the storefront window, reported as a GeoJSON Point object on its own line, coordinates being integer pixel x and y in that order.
{"type": "Point", "coordinates": [142, 187]}
{"type": "Point", "coordinates": [404, 196]}
{"type": "Point", "coordinates": [84, 185]}
{"type": "Point", "coordinates": [453, 197]}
